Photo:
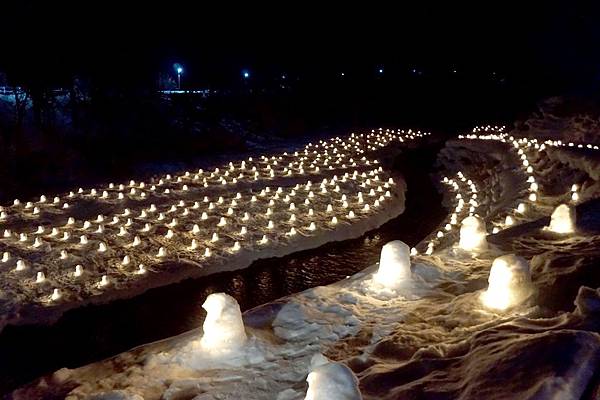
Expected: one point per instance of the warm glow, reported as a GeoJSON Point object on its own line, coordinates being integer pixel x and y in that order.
{"type": "Point", "coordinates": [223, 327]}
{"type": "Point", "coordinates": [508, 283]}
{"type": "Point", "coordinates": [331, 381]}
{"type": "Point", "coordinates": [472, 234]}
{"type": "Point", "coordinates": [394, 264]}
{"type": "Point", "coordinates": [562, 219]}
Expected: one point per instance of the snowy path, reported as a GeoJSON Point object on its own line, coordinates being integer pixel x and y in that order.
{"type": "Point", "coordinates": [431, 339]}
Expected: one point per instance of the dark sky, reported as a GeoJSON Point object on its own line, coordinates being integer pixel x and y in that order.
{"type": "Point", "coordinates": [53, 40]}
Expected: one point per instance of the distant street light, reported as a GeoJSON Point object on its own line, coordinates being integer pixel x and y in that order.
{"type": "Point", "coordinates": [179, 71]}
{"type": "Point", "coordinates": [245, 74]}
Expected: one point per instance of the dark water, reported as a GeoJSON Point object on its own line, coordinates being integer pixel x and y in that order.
{"type": "Point", "coordinates": [93, 333]}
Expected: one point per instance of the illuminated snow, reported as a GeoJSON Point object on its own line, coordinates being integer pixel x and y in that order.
{"type": "Point", "coordinates": [472, 234]}
{"type": "Point", "coordinates": [508, 284]}
{"type": "Point", "coordinates": [331, 381]}
{"type": "Point", "coordinates": [562, 219]}
{"type": "Point", "coordinates": [223, 327]}
{"type": "Point", "coordinates": [394, 265]}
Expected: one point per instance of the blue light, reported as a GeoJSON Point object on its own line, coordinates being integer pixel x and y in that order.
{"type": "Point", "coordinates": [245, 74]}
{"type": "Point", "coordinates": [381, 70]}
{"type": "Point", "coordinates": [179, 70]}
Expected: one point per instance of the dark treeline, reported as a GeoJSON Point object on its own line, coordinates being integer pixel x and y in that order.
{"type": "Point", "coordinates": [110, 123]}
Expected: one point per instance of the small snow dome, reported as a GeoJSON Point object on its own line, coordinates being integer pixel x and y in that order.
{"type": "Point", "coordinates": [509, 282]}
{"type": "Point", "coordinates": [223, 327]}
{"type": "Point", "coordinates": [394, 264]}
{"type": "Point", "coordinates": [472, 234]}
{"type": "Point", "coordinates": [331, 381]}
{"type": "Point", "coordinates": [562, 219]}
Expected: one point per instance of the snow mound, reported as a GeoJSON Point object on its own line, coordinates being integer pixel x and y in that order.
{"type": "Point", "coordinates": [223, 327]}
{"type": "Point", "coordinates": [509, 282]}
{"type": "Point", "coordinates": [562, 219]}
{"type": "Point", "coordinates": [331, 381]}
{"type": "Point", "coordinates": [394, 265]}
{"type": "Point", "coordinates": [472, 234]}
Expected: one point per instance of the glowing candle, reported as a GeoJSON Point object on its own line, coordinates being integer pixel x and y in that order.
{"type": "Point", "coordinates": [21, 265]}
{"type": "Point", "coordinates": [223, 328]}
{"type": "Point", "coordinates": [394, 264]}
{"type": "Point", "coordinates": [136, 241]}
{"type": "Point", "coordinates": [532, 197]}
{"type": "Point", "coordinates": [508, 284]}
{"type": "Point", "coordinates": [104, 281]}
{"type": "Point", "coordinates": [562, 219]}
{"type": "Point", "coordinates": [162, 252]}
{"type": "Point", "coordinates": [101, 247]}
{"type": "Point", "coordinates": [78, 270]}
{"type": "Point", "coordinates": [55, 295]}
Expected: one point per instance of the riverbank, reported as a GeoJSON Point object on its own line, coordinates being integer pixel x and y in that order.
{"type": "Point", "coordinates": [436, 338]}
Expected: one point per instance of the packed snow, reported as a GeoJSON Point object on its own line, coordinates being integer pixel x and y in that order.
{"type": "Point", "coordinates": [515, 318]}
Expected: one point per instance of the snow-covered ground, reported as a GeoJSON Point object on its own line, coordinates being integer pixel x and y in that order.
{"type": "Point", "coordinates": [99, 244]}
{"type": "Point", "coordinates": [436, 331]}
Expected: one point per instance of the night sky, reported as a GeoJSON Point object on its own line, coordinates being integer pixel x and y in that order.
{"type": "Point", "coordinates": [132, 43]}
